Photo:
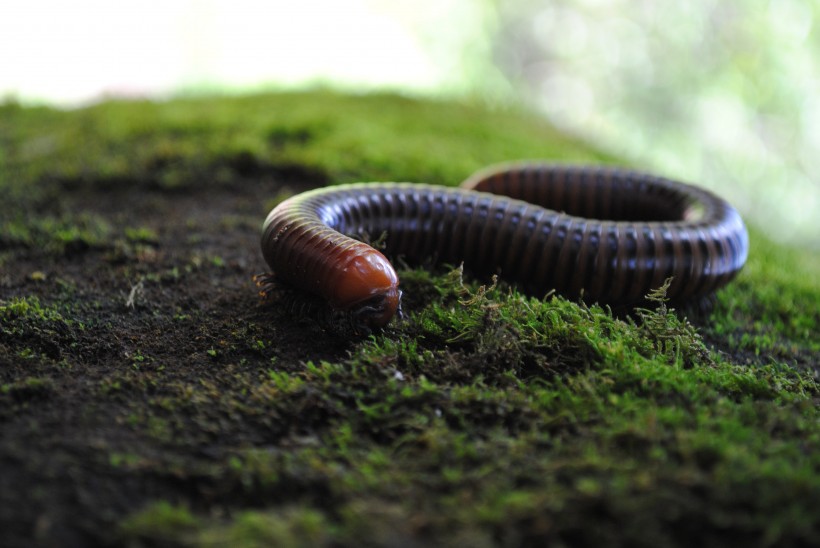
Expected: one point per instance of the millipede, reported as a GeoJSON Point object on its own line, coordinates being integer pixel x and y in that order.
{"type": "Point", "coordinates": [603, 234]}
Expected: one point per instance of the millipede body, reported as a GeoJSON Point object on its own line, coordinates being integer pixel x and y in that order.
{"type": "Point", "coordinates": [605, 234]}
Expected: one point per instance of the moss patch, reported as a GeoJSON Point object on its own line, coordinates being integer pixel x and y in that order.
{"type": "Point", "coordinates": [147, 395]}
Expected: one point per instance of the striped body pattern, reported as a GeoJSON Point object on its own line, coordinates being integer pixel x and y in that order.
{"type": "Point", "coordinates": [605, 234]}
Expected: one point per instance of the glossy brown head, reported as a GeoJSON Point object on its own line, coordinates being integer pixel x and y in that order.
{"type": "Point", "coordinates": [367, 286]}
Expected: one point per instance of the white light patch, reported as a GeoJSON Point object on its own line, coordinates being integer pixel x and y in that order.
{"type": "Point", "coordinates": [69, 52]}
{"type": "Point", "coordinates": [291, 42]}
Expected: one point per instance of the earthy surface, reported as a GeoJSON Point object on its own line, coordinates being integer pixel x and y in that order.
{"type": "Point", "coordinates": [148, 396]}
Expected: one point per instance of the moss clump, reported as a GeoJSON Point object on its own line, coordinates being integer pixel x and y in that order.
{"type": "Point", "coordinates": [28, 388]}
{"type": "Point", "coordinates": [287, 527]}
{"type": "Point", "coordinates": [773, 309]}
{"type": "Point", "coordinates": [488, 415]}
{"type": "Point", "coordinates": [160, 523]}
{"type": "Point", "coordinates": [29, 322]}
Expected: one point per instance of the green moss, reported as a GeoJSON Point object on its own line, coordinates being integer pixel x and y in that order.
{"type": "Point", "coordinates": [120, 460]}
{"type": "Point", "coordinates": [320, 136]}
{"type": "Point", "coordinates": [546, 414]}
{"type": "Point", "coordinates": [56, 235]}
{"type": "Point", "coordinates": [773, 309]}
{"type": "Point", "coordinates": [26, 319]}
{"type": "Point", "coordinates": [289, 527]}
{"type": "Point", "coordinates": [28, 308]}
{"type": "Point", "coordinates": [28, 388]}
{"type": "Point", "coordinates": [141, 235]}
{"type": "Point", "coordinates": [160, 523]}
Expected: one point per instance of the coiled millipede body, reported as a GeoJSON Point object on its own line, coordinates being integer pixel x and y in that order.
{"type": "Point", "coordinates": [605, 234]}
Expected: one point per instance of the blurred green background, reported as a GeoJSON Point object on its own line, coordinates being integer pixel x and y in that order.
{"type": "Point", "coordinates": [726, 94]}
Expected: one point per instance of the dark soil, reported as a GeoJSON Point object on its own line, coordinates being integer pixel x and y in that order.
{"type": "Point", "coordinates": [194, 294]}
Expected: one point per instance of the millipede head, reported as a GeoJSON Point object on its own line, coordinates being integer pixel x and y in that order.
{"type": "Point", "coordinates": [368, 287]}
{"type": "Point", "coordinates": [376, 312]}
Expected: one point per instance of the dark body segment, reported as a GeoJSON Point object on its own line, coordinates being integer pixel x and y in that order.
{"type": "Point", "coordinates": [608, 235]}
